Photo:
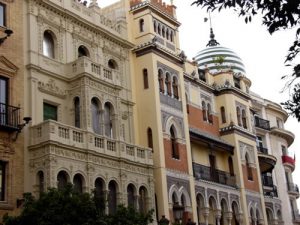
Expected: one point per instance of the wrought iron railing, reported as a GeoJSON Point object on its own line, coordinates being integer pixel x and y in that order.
{"type": "Point", "coordinates": [9, 117]}
{"type": "Point", "coordinates": [271, 192]}
{"type": "Point", "coordinates": [202, 172]}
{"type": "Point", "coordinates": [262, 123]}
{"type": "Point", "coordinates": [262, 149]}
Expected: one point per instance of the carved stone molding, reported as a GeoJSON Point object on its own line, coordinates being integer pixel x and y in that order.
{"type": "Point", "coordinates": [52, 89]}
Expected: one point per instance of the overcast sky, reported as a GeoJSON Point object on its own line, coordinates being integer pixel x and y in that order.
{"type": "Point", "coordinates": [262, 54]}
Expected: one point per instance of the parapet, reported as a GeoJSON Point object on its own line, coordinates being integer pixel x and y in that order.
{"type": "Point", "coordinates": [168, 9]}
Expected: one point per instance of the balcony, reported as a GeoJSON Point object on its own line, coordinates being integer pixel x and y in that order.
{"type": "Point", "coordinates": [207, 173]}
{"type": "Point", "coordinates": [267, 162]}
{"type": "Point", "coordinates": [262, 123]}
{"type": "Point", "coordinates": [293, 189]}
{"type": "Point", "coordinates": [288, 161]}
{"type": "Point", "coordinates": [9, 118]}
{"type": "Point", "coordinates": [86, 65]}
{"type": "Point", "coordinates": [72, 137]}
{"type": "Point", "coordinates": [287, 135]}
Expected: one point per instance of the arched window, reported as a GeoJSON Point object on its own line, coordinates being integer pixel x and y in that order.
{"type": "Point", "coordinates": [168, 84]}
{"type": "Point", "coordinates": [175, 87]}
{"type": "Point", "coordinates": [174, 145]}
{"type": "Point", "coordinates": [155, 26]}
{"type": "Point", "coordinates": [99, 194]}
{"type": "Point", "coordinates": [142, 25]}
{"type": "Point", "coordinates": [163, 31]}
{"type": "Point", "coordinates": [40, 181]}
{"type": "Point", "coordinates": [244, 118]}
{"type": "Point", "coordinates": [159, 29]}
{"type": "Point", "coordinates": [204, 111]}
{"type": "Point", "coordinates": [161, 81]}
{"type": "Point", "coordinates": [150, 138]}
{"type": "Point", "coordinates": [77, 112]}
{"type": "Point", "coordinates": [145, 78]}
{"type": "Point", "coordinates": [167, 34]}
{"type": "Point", "coordinates": [62, 179]}
{"type": "Point", "coordinates": [108, 123]}
{"type": "Point", "coordinates": [230, 165]}
{"type": "Point", "coordinates": [83, 51]}
{"type": "Point", "coordinates": [143, 200]}
{"type": "Point", "coordinates": [238, 114]}
{"type": "Point", "coordinates": [78, 183]}
{"type": "Point", "coordinates": [112, 64]}
{"type": "Point", "coordinates": [223, 115]}
{"type": "Point", "coordinates": [209, 113]}
{"type": "Point", "coordinates": [171, 36]}
{"type": "Point", "coordinates": [95, 110]}
{"type": "Point", "coordinates": [130, 195]}
{"type": "Point", "coordinates": [249, 169]}
{"type": "Point", "coordinates": [112, 197]}
{"type": "Point", "coordinates": [49, 44]}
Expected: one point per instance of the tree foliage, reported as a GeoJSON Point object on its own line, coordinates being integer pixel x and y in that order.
{"type": "Point", "coordinates": [67, 207]}
{"type": "Point", "coordinates": [276, 15]}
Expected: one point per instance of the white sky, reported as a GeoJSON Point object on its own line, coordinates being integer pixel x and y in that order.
{"type": "Point", "coordinates": [263, 55]}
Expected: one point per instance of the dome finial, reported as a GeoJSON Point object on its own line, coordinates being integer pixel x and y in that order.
{"type": "Point", "coordinates": [212, 41]}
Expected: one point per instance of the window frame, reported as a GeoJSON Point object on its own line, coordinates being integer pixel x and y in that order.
{"type": "Point", "coordinates": [3, 180]}
{"type": "Point", "coordinates": [145, 78]}
{"type": "Point", "coordinates": [52, 105]}
{"type": "Point", "coordinates": [4, 14]}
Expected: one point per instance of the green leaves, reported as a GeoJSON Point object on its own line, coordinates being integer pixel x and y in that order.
{"type": "Point", "coordinates": [67, 207]}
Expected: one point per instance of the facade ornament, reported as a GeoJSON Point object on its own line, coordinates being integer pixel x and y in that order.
{"type": "Point", "coordinates": [51, 88]}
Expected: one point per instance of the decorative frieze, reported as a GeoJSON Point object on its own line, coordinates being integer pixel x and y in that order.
{"type": "Point", "coordinates": [51, 88]}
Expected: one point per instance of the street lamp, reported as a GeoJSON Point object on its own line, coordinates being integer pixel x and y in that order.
{"type": "Point", "coordinates": [8, 32]}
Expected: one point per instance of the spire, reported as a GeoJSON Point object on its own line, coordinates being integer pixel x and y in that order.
{"type": "Point", "coordinates": [212, 41]}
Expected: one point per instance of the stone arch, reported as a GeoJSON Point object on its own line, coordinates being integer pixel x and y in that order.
{"type": "Point", "coordinates": [112, 64]}
{"type": "Point", "coordinates": [171, 121]}
{"type": "Point", "coordinates": [83, 51]}
{"type": "Point", "coordinates": [63, 177]}
{"type": "Point", "coordinates": [79, 182]}
{"type": "Point", "coordinates": [201, 205]}
{"type": "Point", "coordinates": [49, 43]}
{"type": "Point", "coordinates": [184, 192]}
{"type": "Point", "coordinates": [131, 193]}
{"type": "Point", "coordinates": [143, 194]}
{"type": "Point", "coordinates": [270, 215]}
{"type": "Point", "coordinates": [174, 192]}
{"type": "Point", "coordinates": [113, 190]}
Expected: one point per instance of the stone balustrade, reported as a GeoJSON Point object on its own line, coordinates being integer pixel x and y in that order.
{"type": "Point", "coordinates": [77, 138]}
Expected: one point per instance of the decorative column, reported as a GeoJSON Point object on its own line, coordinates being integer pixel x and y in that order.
{"type": "Point", "coordinates": [218, 215]}
{"type": "Point", "coordinates": [205, 213]}
{"type": "Point", "coordinates": [228, 217]}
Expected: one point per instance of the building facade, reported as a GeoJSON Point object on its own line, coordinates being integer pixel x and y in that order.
{"type": "Point", "coordinates": [11, 107]}
{"type": "Point", "coordinates": [118, 108]}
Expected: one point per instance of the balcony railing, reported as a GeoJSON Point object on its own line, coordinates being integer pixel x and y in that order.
{"type": "Point", "coordinates": [9, 117]}
{"type": "Point", "coordinates": [86, 65]}
{"type": "Point", "coordinates": [262, 150]}
{"type": "Point", "coordinates": [293, 187]}
{"type": "Point", "coordinates": [207, 173]}
{"type": "Point", "coordinates": [83, 139]}
{"type": "Point", "coordinates": [271, 193]}
{"type": "Point", "coordinates": [261, 123]}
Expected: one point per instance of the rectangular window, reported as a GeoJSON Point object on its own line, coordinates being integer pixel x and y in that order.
{"type": "Point", "coordinates": [3, 100]}
{"type": "Point", "coordinates": [2, 180]}
{"type": "Point", "coordinates": [2, 15]}
{"type": "Point", "coordinates": [50, 112]}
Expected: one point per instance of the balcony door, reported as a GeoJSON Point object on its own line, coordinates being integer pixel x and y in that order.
{"type": "Point", "coordinates": [3, 100]}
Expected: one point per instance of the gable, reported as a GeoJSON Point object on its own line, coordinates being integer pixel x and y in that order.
{"type": "Point", "coordinates": [7, 67]}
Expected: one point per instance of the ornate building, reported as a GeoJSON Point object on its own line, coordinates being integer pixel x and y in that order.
{"type": "Point", "coordinates": [117, 107]}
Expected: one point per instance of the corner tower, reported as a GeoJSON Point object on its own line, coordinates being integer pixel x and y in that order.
{"type": "Point", "coordinates": [162, 121]}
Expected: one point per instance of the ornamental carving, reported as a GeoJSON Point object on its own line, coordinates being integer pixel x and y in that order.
{"type": "Point", "coordinates": [52, 89]}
